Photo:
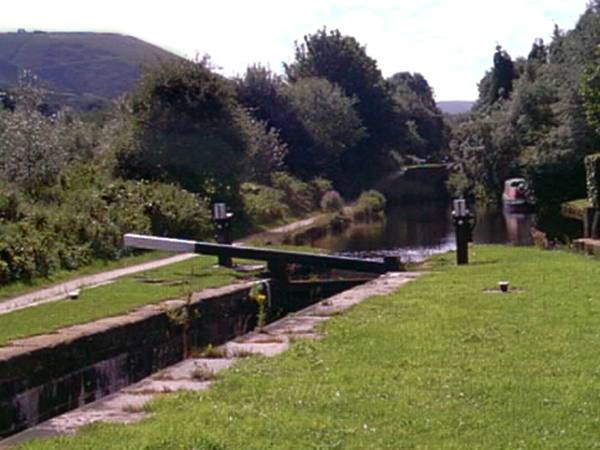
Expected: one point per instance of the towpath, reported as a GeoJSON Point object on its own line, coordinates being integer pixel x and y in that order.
{"type": "Point", "coordinates": [61, 290]}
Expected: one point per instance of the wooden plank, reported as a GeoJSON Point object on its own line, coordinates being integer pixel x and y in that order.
{"type": "Point", "coordinates": [277, 257]}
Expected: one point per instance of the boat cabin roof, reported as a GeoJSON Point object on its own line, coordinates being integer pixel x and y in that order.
{"type": "Point", "coordinates": [514, 182]}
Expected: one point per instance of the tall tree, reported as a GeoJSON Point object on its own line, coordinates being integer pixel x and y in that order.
{"type": "Point", "coordinates": [330, 119]}
{"type": "Point", "coordinates": [414, 96]}
{"type": "Point", "coordinates": [343, 61]}
{"type": "Point", "coordinates": [504, 74]}
{"type": "Point", "coordinates": [261, 92]}
{"type": "Point", "coordinates": [497, 83]}
{"type": "Point", "coordinates": [184, 126]}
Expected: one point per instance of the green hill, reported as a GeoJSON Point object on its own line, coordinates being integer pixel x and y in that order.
{"type": "Point", "coordinates": [90, 66]}
{"type": "Point", "coordinates": [455, 107]}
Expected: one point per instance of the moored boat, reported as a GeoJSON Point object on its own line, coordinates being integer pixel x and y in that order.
{"type": "Point", "coordinates": [516, 197]}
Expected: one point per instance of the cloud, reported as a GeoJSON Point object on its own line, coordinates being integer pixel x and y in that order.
{"type": "Point", "coordinates": [451, 42]}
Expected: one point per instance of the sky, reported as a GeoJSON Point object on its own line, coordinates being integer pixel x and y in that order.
{"type": "Point", "coordinates": [450, 42]}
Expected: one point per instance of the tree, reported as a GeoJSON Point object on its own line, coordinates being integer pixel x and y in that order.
{"type": "Point", "coordinates": [261, 92]}
{"type": "Point", "coordinates": [504, 74]}
{"type": "Point", "coordinates": [30, 152]}
{"type": "Point", "coordinates": [428, 133]}
{"type": "Point", "coordinates": [343, 61]}
{"type": "Point", "coordinates": [184, 127]}
{"type": "Point", "coordinates": [539, 51]}
{"type": "Point", "coordinates": [330, 119]}
{"type": "Point", "coordinates": [265, 152]}
{"type": "Point", "coordinates": [497, 83]}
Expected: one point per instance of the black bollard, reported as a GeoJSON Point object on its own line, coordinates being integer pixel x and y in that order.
{"type": "Point", "coordinates": [222, 223]}
{"type": "Point", "coordinates": [463, 225]}
{"type": "Point", "coordinates": [393, 264]}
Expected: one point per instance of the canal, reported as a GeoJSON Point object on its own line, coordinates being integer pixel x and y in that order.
{"type": "Point", "coordinates": [415, 231]}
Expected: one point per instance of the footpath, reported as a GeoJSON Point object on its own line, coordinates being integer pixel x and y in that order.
{"type": "Point", "coordinates": [61, 291]}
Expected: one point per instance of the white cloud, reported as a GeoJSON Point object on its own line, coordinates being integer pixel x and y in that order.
{"type": "Point", "coordinates": [451, 42]}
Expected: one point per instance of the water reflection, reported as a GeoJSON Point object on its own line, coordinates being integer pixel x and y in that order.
{"type": "Point", "coordinates": [416, 231]}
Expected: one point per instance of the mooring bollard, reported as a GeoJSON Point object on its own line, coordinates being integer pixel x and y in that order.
{"type": "Point", "coordinates": [222, 223]}
{"type": "Point", "coordinates": [463, 225]}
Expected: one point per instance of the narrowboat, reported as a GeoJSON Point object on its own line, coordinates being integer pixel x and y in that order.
{"type": "Point", "coordinates": [516, 197]}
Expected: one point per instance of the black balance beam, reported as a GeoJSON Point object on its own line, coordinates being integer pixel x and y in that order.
{"type": "Point", "coordinates": [272, 256]}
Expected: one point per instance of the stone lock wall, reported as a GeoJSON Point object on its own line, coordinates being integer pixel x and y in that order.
{"type": "Point", "coordinates": [43, 376]}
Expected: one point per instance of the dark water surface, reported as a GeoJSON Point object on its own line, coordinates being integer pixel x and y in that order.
{"type": "Point", "coordinates": [416, 231]}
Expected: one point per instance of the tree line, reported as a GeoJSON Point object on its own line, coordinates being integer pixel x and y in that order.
{"type": "Point", "coordinates": [270, 145]}
{"type": "Point", "coordinates": [536, 116]}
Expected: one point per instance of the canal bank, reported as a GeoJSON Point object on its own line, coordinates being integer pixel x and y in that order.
{"type": "Point", "coordinates": [445, 362]}
{"type": "Point", "coordinates": [47, 375]}
{"type": "Point", "coordinates": [197, 373]}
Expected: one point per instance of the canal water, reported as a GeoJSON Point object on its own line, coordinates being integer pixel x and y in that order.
{"type": "Point", "coordinates": [417, 230]}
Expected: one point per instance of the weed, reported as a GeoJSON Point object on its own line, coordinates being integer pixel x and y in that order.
{"type": "Point", "coordinates": [133, 409]}
{"type": "Point", "coordinates": [202, 373]}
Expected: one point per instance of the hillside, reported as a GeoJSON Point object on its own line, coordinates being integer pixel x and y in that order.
{"type": "Point", "coordinates": [91, 65]}
{"type": "Point", "coordinates": [455, 107]}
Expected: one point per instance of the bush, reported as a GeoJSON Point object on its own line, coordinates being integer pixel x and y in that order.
{"type": "Point", "coordinates": [89, 223]}
{"type": "Point", "coordinates": [298, 194]}
{"type": "Point", "coordinates": [592, 169]}
{"type": "Point", "coordinates": [263, 205]}
{"type": "Point", "coordinates": [10, 206]}
{"type": "Point", "coordinates": [370, 205]}
{"type": "Point", "coordinates": [332, 201]}
{"type": "Point", "coordinates": [339, 222]}
{"type": "Point", "coordinates": [176, 213]}
{"type": "Point", "coordinates": [320, 186]}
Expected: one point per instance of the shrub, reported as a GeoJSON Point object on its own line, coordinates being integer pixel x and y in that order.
{"type": "Point", "coordinates": [26, 253]}
{"type": "Point", "coordinates": [89, 222]}
{"type": "Point", "coordinates": [370, 205]}
{"type": "Point", "coordinates": [592, 168]}
{"type": "Point", "coordinates": [176, 213]}
{"type": "Point", "coordinates": [332, 201]}
{"type": "Point", "coordinates": [262, 204]}
{"type": "Point", "coordinates": [320, 186]}
{"type": "Point", "coordinates": [298, 194]}
{"type": "Point", "coordinates": [10, 206]}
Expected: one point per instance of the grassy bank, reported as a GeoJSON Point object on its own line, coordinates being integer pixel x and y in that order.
{"type": "Point", "coordinates": [125, 294]}
{"type": "Point", "coordinates": [440, 364]}
{"type": "Point", "coordinates": [98, 266]}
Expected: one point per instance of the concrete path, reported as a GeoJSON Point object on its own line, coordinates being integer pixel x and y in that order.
{"type": "Point", "coordinates": [61, 290]}
{"type": "Point", "coordinates": [127, 405]}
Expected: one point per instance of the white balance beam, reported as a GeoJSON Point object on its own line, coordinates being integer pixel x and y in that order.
{"type": "Point", "coordinates": [159, 243]}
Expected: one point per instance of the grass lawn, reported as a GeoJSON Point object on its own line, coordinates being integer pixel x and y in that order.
{"type": "Point", "coordinates": [21, 287]}
{"type": "Point", "coordinates": [125, 294]}
{"type": "Point", "coordinates": [439, 364]}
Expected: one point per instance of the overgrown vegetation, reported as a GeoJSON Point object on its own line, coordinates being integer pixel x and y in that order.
{"type": "Point", "coordinates": [535, 117]}
{"type": "Point", "coordinates": [446, 362]}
